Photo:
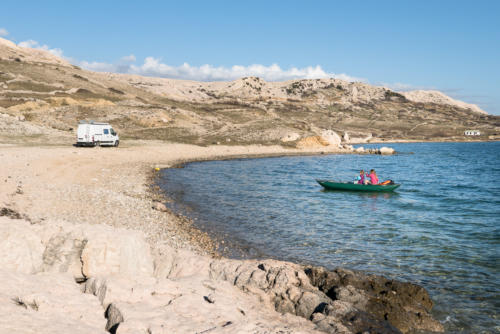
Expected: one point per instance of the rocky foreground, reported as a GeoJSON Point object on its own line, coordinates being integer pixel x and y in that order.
{"type": "Point", "coordinates": [84, 248]}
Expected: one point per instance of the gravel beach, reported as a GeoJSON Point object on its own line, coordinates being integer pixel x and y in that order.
{"type": "Point", "coordinates": [82, 227]}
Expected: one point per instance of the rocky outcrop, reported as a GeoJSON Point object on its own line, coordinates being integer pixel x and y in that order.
{"type": "Point", "coordinates": [341, 301]}
{"type": "Point", "coordinates": [187, 292]}
{"type": "Point", "coordinates": [191, 303]}
{"type": "Point", "coordinates": [405, 306]}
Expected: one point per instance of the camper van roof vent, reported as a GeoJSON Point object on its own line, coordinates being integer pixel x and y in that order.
{"type": "Point", "coordinates": [92, 122]}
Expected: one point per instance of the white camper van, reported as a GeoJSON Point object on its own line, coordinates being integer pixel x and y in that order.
{"type": "Point", "coordinates": [96, 134]}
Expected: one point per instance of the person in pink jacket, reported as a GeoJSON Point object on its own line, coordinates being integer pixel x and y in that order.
{"type": "Point", "coordinates": [361, 178]}
{"type": "Point", "coordinates": [372, 177]}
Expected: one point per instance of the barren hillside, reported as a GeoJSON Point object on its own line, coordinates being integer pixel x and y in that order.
{"type": "Point", "coordinates": [42, 96]}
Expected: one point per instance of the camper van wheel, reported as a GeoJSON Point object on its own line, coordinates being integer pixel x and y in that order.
{"type": "Point", "coordinates": [116, 143]}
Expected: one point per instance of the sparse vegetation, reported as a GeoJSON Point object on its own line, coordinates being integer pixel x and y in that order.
{"type": "Point", "coordinates": [389, 95]}
{"type": "Point", "coordinates": [80, 77]}
{"type": "Point", "coordinates": [251, 118]}
{"type": "Point", "coordinates": [116, 91]}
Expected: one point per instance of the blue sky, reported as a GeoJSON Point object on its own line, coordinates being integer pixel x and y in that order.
{"type": "Point", "coordinates": [452, 46]}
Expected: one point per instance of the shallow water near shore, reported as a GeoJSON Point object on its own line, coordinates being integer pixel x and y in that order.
{"type": "Point", "coordinates": [440, 229]}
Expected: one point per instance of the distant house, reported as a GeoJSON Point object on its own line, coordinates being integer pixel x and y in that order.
{"type": "Point", "coordinates": [472, 133]}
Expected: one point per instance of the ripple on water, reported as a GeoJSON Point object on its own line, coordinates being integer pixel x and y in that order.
{"type": "Point", "coordinates": [440, 229]}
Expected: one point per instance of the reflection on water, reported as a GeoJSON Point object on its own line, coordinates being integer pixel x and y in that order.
{"type": "Point", "coordinates": [363, 200]}
{"type": "Point", "coordinates": [439, 229]}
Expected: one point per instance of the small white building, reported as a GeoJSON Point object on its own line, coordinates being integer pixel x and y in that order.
{"type": "Point", "coordinates": [472, 133]}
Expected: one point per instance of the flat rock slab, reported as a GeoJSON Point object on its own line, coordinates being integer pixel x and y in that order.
{"type": "Point", "coordinates": [47, 303]}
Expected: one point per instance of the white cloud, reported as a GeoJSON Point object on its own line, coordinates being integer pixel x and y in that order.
{"type": "Point", "coordinates": [3, 32]}
{"type": "Point", "coordinates": [153, 67]}
{"type": "Point", "coordinates": [122, 66]}
{"type": "Point", "coordinates": [35, 45]}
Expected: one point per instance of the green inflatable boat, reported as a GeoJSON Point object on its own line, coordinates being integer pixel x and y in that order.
{"type": "Point", "coordinates": [331, 185]}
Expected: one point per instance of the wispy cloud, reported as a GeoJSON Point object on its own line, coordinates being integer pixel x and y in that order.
{"type": "Point", "coordinates": [3, 32]}
{"type": "Point", "coordinates": [154, 67]}
{"type": "Point", "coordinates": [404, 87]}
{"type": "Point", "coordinates": [35, 45]}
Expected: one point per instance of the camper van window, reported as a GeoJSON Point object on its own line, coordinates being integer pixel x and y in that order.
{"type": "Point", "coordinates": [113, 132]}
{"type": "Point", "coordinates": [106, 131]}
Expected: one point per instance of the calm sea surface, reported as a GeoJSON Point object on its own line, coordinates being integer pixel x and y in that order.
{"type": "Point", "coordinates": [441, 229]}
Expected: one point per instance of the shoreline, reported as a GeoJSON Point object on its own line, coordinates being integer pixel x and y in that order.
{"type": "Point", "coordinates": [58, 189]}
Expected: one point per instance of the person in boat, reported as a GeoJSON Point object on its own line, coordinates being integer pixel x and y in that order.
{"type": "Point", "coordinates": [372, 177]}
{"type": "Point", "coordinates": [360, 179]}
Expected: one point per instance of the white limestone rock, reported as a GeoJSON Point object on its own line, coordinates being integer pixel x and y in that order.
{"type": "Point", "coordinates": [116, 251]}
{"type": "Point", "coordinates": [331, 137]}
{"type": "Point", "coordinates": [387, 150]}
{"type": "Point", "coordinates": [180, 306]}
{"type": "Point", "coordinates": [346, 137]}
{"type": "Point", "coordinates": [47, 303]}
{"type": "Point", "coordinates": [80, 249]}
{"type": "Point", "coordinates": [21, 248]}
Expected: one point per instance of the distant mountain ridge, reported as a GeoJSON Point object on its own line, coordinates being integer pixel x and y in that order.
{"type": "Point", "coordinates": [255, 87]}
{"type": "Point", "coordinates": [47, 91]}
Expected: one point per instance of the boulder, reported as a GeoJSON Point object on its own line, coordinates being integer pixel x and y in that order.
{"type": "Point", "coordinates": [331, 137]}
{"type": "Point", "coordinates": [360, 149]}
{"type": "Point", "coordinates": [312, 142]}
{"type": "Point", "coordinates": [386, 150]}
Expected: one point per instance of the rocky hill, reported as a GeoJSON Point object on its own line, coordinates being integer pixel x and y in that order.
{"type": "Point", "coordinates": [42, 96]}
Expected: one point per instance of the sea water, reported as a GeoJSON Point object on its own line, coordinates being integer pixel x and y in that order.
{"type": "Point", "coordinates": [440, 229]}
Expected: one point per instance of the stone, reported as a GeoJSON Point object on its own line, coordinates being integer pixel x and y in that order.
{"type": "Point", "coordinates": [386, 150]}
{"type": "Point", "coordinates": [160, 207]}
